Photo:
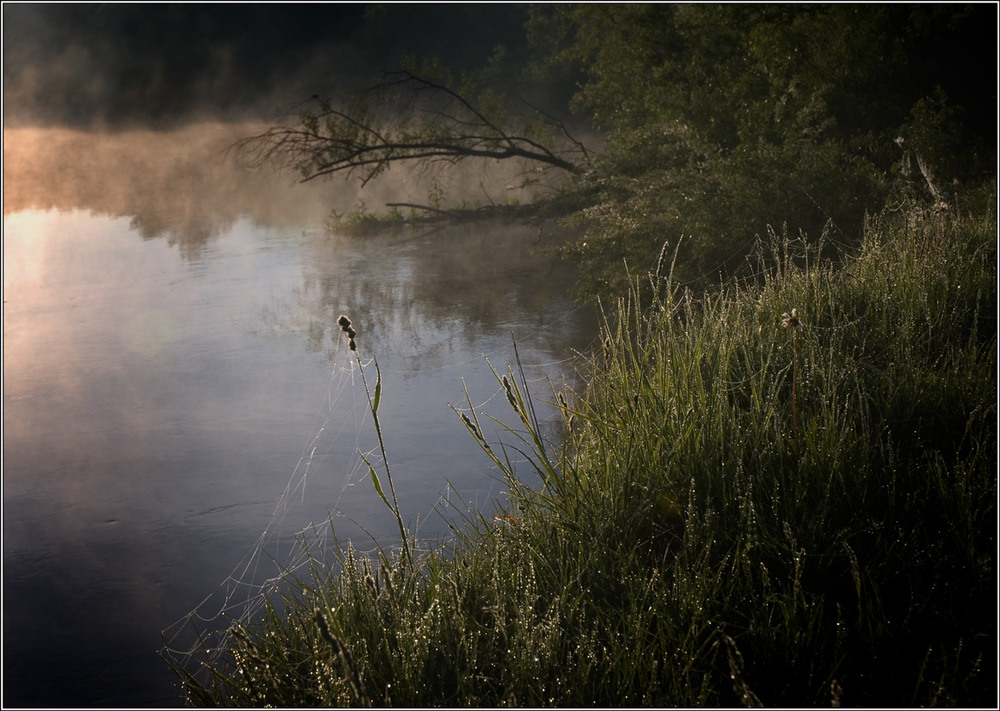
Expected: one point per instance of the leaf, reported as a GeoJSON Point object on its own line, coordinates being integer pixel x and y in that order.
{"type": "Point", "coordinates": [378, 485]}
{"type": "Point", "coordinates": [375, 482]}
{"type": "Point", "coordinates": [378, 389]}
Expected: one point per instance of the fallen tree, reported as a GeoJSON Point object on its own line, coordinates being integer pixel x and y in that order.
{"type": "Point", "coordinates": [421, 120]}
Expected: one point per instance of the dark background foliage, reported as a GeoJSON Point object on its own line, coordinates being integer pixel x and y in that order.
{"type": "Point", "coordinates": [726, 120]}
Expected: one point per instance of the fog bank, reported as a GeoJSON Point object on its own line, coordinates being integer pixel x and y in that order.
{"type": "Point", "coordinates": [157, 66]}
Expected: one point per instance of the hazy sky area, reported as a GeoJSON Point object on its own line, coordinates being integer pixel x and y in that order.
{"type": "Point", "coordinates": [156, 66]}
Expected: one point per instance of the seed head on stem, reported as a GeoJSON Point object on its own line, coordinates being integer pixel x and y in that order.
{"type": "Point", "coordinates": [373, 403]}
{"type": "Point", "coordinates": [346, 327]}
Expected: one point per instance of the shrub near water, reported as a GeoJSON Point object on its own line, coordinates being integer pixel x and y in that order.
{"type": "Point", "coordinates": [698, 540]}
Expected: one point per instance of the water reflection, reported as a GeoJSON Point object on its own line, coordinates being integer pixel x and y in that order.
{"type": "Point", "coordinates": [187, 187]}
{"type": "Point", "coordinates": [181, 185]}
{"type": "Point", "coordinates": [161, 405]}
{"type": "Point", "coordinates": [421, 292]}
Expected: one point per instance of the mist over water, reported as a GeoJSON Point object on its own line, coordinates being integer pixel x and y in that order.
{"type": "Point", "coordinates": [155, 66]}
{"type": "Point", "coordinates": [187, 185]}
{"type": "Point", "coordinates": [174, 380]}
{"type": "Point", "coordinates": [174, 376]}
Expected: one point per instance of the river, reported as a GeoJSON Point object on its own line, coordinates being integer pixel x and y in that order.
{"type": "Point", "coordinates": [178, 400]}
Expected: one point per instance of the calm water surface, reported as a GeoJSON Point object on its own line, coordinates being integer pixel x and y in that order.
{"type": "Point", "coordinates": [175, 386]}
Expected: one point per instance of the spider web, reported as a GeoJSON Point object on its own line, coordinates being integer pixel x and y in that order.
{"type": "Point", "coordinates": [241, 595]}
{"type": "Point", "coordinates": [199, 640]}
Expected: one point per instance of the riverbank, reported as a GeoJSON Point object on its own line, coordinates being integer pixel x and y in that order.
{"type": "Point", "coordinates": [782, 493]}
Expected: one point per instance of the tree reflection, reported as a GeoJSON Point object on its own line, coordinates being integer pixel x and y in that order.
{"type": "Point", "coordinates": [422, 294]}
{"type": "Point", "coordinates": [429, 295]}
{"type": "Point", "coordinates": [178, 185]}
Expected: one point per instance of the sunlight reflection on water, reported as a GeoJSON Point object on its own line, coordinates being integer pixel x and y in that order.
{"type": "Point", "coordinates": [160, 392]}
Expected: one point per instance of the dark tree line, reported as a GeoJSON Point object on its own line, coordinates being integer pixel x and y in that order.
{"type": "Point", "coordinates": [721, 122]}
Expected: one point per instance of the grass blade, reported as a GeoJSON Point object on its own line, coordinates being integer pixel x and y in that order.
{"type": "Point", "coordinates": [375, 481]}
{"type": "Point", "coordinates": [378, 389]}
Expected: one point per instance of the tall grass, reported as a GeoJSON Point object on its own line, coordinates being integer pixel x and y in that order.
{"type": "Point", "coordinates": [713, 530]}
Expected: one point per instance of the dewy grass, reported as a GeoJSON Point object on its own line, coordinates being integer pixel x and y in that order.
{"type": "Point", "coordinates": [735, 517]}
{"type": "Point", "coordinates": [791, 321]}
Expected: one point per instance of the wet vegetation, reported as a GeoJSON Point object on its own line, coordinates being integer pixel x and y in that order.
{"type": "Point", "coordinates": [779, 485]}
{"type": "Point", "coordinates": [746, 509]}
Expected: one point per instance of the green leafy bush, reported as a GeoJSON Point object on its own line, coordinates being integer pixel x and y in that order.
{"type": "Point", "coordinates": [724, 120]}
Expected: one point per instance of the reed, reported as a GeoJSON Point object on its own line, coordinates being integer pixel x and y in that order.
{"type": "Point", "coordinates": [374, 399]}
{"type": "Point", "coordinates": [734, 517]}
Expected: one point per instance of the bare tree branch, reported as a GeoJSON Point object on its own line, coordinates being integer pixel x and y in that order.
{"type": "Point", "coordinates": [408, 118]}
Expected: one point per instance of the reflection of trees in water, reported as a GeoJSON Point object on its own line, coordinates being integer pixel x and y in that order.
{"type": "Point", "coordinates": [178, 185]}
{"type": "Point", "coordinates": [185, 187]}
{"type": "Point", "coordinates": [414, 292]}
{"type": "Point", "coordinates": [425, 296]}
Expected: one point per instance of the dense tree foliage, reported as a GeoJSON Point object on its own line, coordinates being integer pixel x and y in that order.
{"type": "Point", "coordinates": [723, 120]}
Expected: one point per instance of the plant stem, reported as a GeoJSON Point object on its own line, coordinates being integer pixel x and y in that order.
{"type": "Point", "coordinates": [795, 413]}
{"type": "Point", "coordinates": [373, 403]}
